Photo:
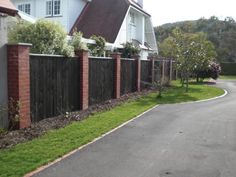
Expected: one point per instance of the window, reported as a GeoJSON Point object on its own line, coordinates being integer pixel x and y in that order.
{"type": "Point", "coordinates": [132, 18]}
{"type": "Point", "coordinates": [53, 7]}
{"type": "Point", "coordinates": [25, 8]}
{"type": "Point", "coordinates": [49, 8]}
{"type": "Point", "coordinates": [132, 26]}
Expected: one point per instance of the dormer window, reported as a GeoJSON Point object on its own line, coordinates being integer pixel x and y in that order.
{"type": "Point", "coordinates": [26, 8]}
{"type": "Point", "coordinates": [53, 8]}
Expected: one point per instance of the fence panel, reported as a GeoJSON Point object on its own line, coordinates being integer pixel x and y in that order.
{"type": "Point", "coordinates": [128, 76]}
{"type": "Point", "coordinates": [146, 73]}
{"type": "Point", "coordinates": [101, 80]}
{"type": "Point", "coordinates": [54, 86]}
{"type": "Point", "coordinates": [157, 71]}
{"type": "Point", "coordinates": [166, 77]}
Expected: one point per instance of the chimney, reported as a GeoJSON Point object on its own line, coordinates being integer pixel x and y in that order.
{"type": "Point", "coordinates": [140, 2]}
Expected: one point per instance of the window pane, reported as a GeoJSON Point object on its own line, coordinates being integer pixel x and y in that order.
{"type": "Point", "coordinates": [20, 7]}
{"type": "Point", "coordinates": [27, 8]}
{"type": "Point", "coordinates": [57, 7]}
{"type": "Point", "coordinates": [49, 8]}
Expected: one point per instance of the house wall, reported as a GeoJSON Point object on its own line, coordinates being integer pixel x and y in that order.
{"type": "Point", "coordinates": [70, 10]}
{"type": "Point", "coordinates": [3, 72]}
{"type": "Point", "coordinates": [125, 34]}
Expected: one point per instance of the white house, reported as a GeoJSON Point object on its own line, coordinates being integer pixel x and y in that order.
{"type": "Point", "coordinates": [118, 21]}
{"type": "Point", "coordinates": [64, 11]}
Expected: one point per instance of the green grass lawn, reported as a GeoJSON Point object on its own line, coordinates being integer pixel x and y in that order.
{"type": "Point", "coordinates": [228, 77]}
{"type": "Point", "coordinates": [26, 157]}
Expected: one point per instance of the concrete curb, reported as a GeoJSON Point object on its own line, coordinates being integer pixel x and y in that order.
{"type": "Point", "coordinates": [210, 99]}
{"type": "Point", "coordinates": [76, 150]}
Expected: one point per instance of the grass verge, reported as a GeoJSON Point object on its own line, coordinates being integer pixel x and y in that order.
{"type": "Point", "coordinates": [26, 157]}
{"type": "Point", "coordinates": [228, 77]}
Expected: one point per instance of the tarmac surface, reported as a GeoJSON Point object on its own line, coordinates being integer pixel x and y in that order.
{"type": "Point", "coordinates": [178, 140]}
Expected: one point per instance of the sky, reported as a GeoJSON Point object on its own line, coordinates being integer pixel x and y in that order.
{"type": "Point", "coordinates": [168, 11]}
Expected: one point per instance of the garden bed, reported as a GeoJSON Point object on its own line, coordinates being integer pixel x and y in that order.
{"type": "Point", "coordinates": [11, 138]}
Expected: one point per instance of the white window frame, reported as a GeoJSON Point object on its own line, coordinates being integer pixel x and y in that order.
{"type": "Point", "coordinates": [132, 26]}
{"type": "Point", "coordinates": [53, 8]}
{"type": "Point", "coordinates": [23, 7]}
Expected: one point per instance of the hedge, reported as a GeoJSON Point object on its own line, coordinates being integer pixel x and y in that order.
{"type": "Point", "coordinates": [228, 68]}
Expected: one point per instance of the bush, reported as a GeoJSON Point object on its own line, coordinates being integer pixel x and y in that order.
{"type": "Point", "coordinates": [76, 41]}
{"type": "Point", "coordinates": [46, 37]}
{"type": "Point", "coordinates": [213, 71]}
{"type": "Point", "coordinates": [97, 49]}
{"type": "Point", "coordinates": [130, 50]}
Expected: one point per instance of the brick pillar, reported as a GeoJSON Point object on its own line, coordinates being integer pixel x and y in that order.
{"type": "Point", "coordinates": [138, 72]}
{"type": "Point", "coordinates": [19, 82]}
{"type": "Point", "coordinates": [116, 57]}
{"type": "Point", "coordinates": [84, 78]}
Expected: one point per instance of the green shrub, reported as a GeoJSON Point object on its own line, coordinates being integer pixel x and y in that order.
{"type": "Point", "coordinates": [130, 50]}
{"type": "Point", "coordinates": [76, 41]}
{"type": "Point", "coordinates": [97, 49]}
{"type": "Point", "coordinates": [46, 37]}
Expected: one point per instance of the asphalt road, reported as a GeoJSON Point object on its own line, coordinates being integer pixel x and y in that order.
{"type": "Point", "coordinates": [181, 140]}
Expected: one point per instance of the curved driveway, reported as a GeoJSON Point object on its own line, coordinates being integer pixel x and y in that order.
{"type": "Point", "coordinates": [181, 140]}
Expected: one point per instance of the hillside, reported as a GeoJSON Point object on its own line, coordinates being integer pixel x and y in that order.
{"type": "Point", "coordinates": [221, 33]}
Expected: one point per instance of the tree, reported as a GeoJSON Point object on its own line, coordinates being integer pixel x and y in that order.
{"type": "Point", "coordinates": [46, 37]}
{"type": "Point", "coordinates": [192, 51]}
{"type": "Point", "coordinates": [221, 33]}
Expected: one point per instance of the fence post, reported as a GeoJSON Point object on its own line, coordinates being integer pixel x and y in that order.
{"type": "Point", "coordinates": [171, 70]}
{"type": "Point", "coordinates": [19, 83]}
{"type": "Point", "coordinates": [138, 72]}
{"type": "Point", "coordinates": [163, 71]}
{"type": "Point", "coordinates": [116, 56]}
{"type": "Point", "coordinates": [84, 78]}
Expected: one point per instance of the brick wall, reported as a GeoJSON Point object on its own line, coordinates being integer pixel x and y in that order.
{"type": "Point", "coordinates": [19, 79]}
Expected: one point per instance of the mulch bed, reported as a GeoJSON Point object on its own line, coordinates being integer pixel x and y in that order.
{"type": "Point", "coordinates": [11, 138]}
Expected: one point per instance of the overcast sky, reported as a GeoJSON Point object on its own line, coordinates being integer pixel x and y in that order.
{"type": "Point", "coordinates": [167, 11]}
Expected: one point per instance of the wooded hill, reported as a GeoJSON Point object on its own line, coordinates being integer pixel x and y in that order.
{"type": "Point", "coordinates": [221, 33]}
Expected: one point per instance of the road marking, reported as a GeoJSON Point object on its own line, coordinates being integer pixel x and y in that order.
{"type": "Point", "coordinates": [210, 99]}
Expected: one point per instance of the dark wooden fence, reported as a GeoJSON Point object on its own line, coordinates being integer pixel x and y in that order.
{"type": "Point", "coordinates": [101, 80]}
{"type": "Point", "coordinates": [54, 86]}
{"type": "Point", "coordinates": [128, 76]}
{"type": "Point", "coordinates": [146, 73]}
{"type": "Point", "coordinates": [55, 82]}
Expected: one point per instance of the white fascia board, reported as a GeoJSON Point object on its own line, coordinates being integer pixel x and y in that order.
{"type": "Point", "coordinates": [139, 11]}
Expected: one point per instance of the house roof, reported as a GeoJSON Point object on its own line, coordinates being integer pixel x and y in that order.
{"type": "Point", "coordinates": [7, 7]}
{"type": "Point", "coordinates": [104, 18]}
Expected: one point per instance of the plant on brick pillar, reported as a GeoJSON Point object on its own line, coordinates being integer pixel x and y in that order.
{"type": "Point", "coordinates": [130, 50]}
{"type": "Point", "coordinates": [97, 49]}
